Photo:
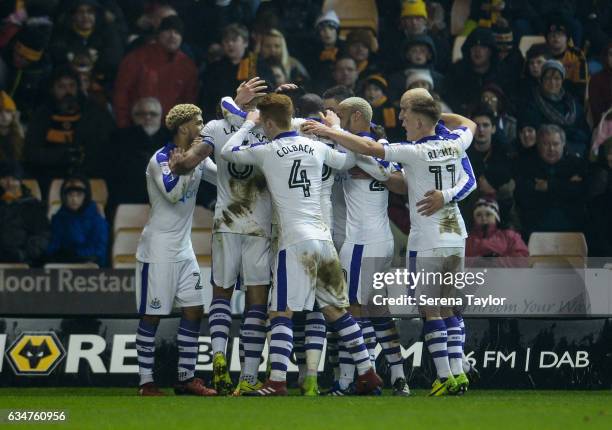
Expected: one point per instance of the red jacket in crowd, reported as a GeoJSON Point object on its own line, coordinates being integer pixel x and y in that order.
{"type": "Point", "coordinates": [150, 71]}
{"type": "Point", "coordinates": [494, 242]}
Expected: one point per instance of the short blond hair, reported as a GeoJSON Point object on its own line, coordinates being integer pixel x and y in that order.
{"type": "Point", "coordinates": [180, 114]}
{"type": "Point", "coordinates": [357, 104]}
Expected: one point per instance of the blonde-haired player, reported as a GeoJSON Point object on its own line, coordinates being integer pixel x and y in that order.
{"type": "Point", "coordinates": [167, 272]}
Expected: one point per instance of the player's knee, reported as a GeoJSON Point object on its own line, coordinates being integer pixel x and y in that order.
{"type": "Point", "coordinates": [257, 295]}
{"type": "Point", "coordinates": [193, 313]}
{"type": "Point", "coordinates": [222, 293]}
{"type": "Point", "coordinates": [151, 319]}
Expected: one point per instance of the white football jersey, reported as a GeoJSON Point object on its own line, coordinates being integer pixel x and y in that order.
{"type": "Point", "coordinates": [435, 162]}
{"type": "Point", "coordinates": [367, 220]}
{"type": "Point", "coordinates": [293, 166]}
{"type": "Point", "coordinates": [236, 116]}
{"type": "Point", "coordinates": [166, 237]}
{"type": "Point", "coordinates": [243, 201]}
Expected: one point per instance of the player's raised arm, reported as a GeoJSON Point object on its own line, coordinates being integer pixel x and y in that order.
{"type": "Point", "coordinates": [357, 144]}
{"type": "Point", "coordinates": [234, 152]}
{"type": "Point", "coordinates": [461, 128]}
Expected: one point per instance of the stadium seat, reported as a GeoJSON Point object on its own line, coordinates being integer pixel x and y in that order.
{"type": "Point", "coordinates": [33, 186]}
{"type": "Point", "coordinates": [71, 266]}
{"type": "Point", "coordinates": [201, 241]}
{"type": "Point", "coordinates": [131, 217]}
{"type": "Point", "coordinates": [124, 248]}
{"type": "Point", "coordinates": [527, 41]}
{"type": "Point", "coordinates": [202, 219]}
{"type": "Point", "coordinates": [457, 44]}
{"type": "Point", "coordinates": [557, 250]}
{"type": "Point", "coordinates": [460, 11]}
{"type": "Point", "coordinates": [354, 14]}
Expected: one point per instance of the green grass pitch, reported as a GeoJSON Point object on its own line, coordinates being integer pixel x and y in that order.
{"type": "Point", "coordinates": [119, 408]}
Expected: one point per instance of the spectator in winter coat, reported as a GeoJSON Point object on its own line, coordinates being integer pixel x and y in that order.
{"type": "Point", "coordinates": [24, 227]}
{"type": "Point", "coordinates": [79, 233]}
{"type": "Point", "coordinates": [600, 87]}
{"type": "Point", "coordinates": [552, 104]}
{"type": "Point", "coordinates": [551, 188]}
{"type": "Point", "coordinates": [486, 239]}
{"type": "Point", "coordinates": [11, 130]}
{"type": "Point", "coordinates": [375, 90]}
{"type": "Point", "coordinates": [159, 70]}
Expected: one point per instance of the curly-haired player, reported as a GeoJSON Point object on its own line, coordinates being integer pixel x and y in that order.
{"type": "Point", "coordinates": [167, 272]}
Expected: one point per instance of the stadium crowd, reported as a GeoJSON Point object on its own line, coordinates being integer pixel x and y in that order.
{"type": "Point", "coordinates": [85, 85]}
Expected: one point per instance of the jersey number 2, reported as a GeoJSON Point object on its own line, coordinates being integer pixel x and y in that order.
{"type": "Point", "coordinates": [299, 179]}
{"type": "Point", "coordinates": [437, 171]}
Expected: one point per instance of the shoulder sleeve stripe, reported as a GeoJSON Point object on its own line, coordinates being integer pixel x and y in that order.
{"type": "Point", "coordinates": [467, 168]}
{"type": "Point", "coordinates": [233, 109]}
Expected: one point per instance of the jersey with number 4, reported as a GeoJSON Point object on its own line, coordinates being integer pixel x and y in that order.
{"type": "Point", "coordinates": [243, 201]}
{"type": "Point", "coordinates": [434, 162]}
{"type": "Point", "coordinates": [293, 167]}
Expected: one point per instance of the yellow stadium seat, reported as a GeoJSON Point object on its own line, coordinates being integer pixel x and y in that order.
{"type": "Point", "coordinates": [124, 247]}
{"type": "Point", "coordinates": [557, 249]}
{"type": "Point", "coordinates": [527, 41]}
{"type": "Point", "coordinates": [354, 14]}
{"type": "Point", "coordinates": [131, 217]}
{"type": "Point", "coordinates": [33, 186]}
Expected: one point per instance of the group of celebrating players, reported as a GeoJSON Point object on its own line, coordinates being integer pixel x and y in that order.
{"type": "Point", "coordinates": [301, 202]}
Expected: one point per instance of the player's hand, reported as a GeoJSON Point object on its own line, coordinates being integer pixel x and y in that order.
{"type": "Point", "coordinates": [177, 156]}
{"type": "Point", "coordinates": [358, 173]}
{"type": "Point", "coordinates": [286, 87]}
{"type": "Point", "coordinates": [253, 116]}
{"type": "Point", "coordinates": [432, 203]}
{"type": "Point", "coordinates": [330, 118]}
{"type": "Point", "coordinates": [250, 89]}
{"type": "Point", "coordinates": [314, 127]}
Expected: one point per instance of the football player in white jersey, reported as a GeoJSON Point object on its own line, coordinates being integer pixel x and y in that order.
{"type": "Point", "coordinates": [307, 265]}
{"type": "Point", "coordinates": [367, 236]}
{"type": "Point", "coordinates": [436, 242]}
{"type": "Point", "coordinates": [240, 252]}
{"type": "Point", "coordinates": [167, 272]}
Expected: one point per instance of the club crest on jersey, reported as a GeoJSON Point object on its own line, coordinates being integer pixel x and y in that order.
{"type": "Point", "coordinates": [155, 303]}
{"type": "Point", "coordinates": [239, 171]}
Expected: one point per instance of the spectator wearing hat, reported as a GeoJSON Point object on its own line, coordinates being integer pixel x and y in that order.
{"type": "Point", "coordinates": [79, 234]}
{"type": "Point", "coordinates": [237, 64]}
{"type": "Point", "coordinates": [487, 239]}
{"type": "Point", "coordinates": [11, 130]}
{"type": "Point", "coordinates": [478, 67]}
{"type": "Point", "coordinates": [414, 22]}
{"type": "Point", "coordinates": [600, 87]}
{"type": "Point", "coordinates": [320, 54]}
{"type": "Point", "coordinates": [494, 97]}
{"type": "Point", "coordinates": [24, 67]}
{"type": "Point", "coordinates": [375, 90]}
{"type": "Point", "coordinates": [421, 78]}
{"type": "Point", "coordinates": [510, 58]}
{"type": "Point", "coordinates": [159, 70]}
{"type": "Point", "coordinates": [552, 104]}
{"type": "Point", "coordinates": [535, 58]}
{"type": "Point", "coordinates": [68, 133]}
{"type": "Point", "coordinates": [24, 228]}
{"type": "Point", "coordinates": [524, 146]}
{"type": "Point", "coordinates": [573, 59]}
{"type": "Point", "coordinates": [419, 53]}
{"type": "Point", "coordinates": [551, 187]}
{"type": "Point", "coordinates": [361, 45]}
{"type": "Point", "coordinates": [599, 231]}
{"type": "Point", "coordinates": [85, 26]}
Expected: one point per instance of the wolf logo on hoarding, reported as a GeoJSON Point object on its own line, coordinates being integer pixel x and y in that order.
{"type": "Point", "coordinates": [35, 353]}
